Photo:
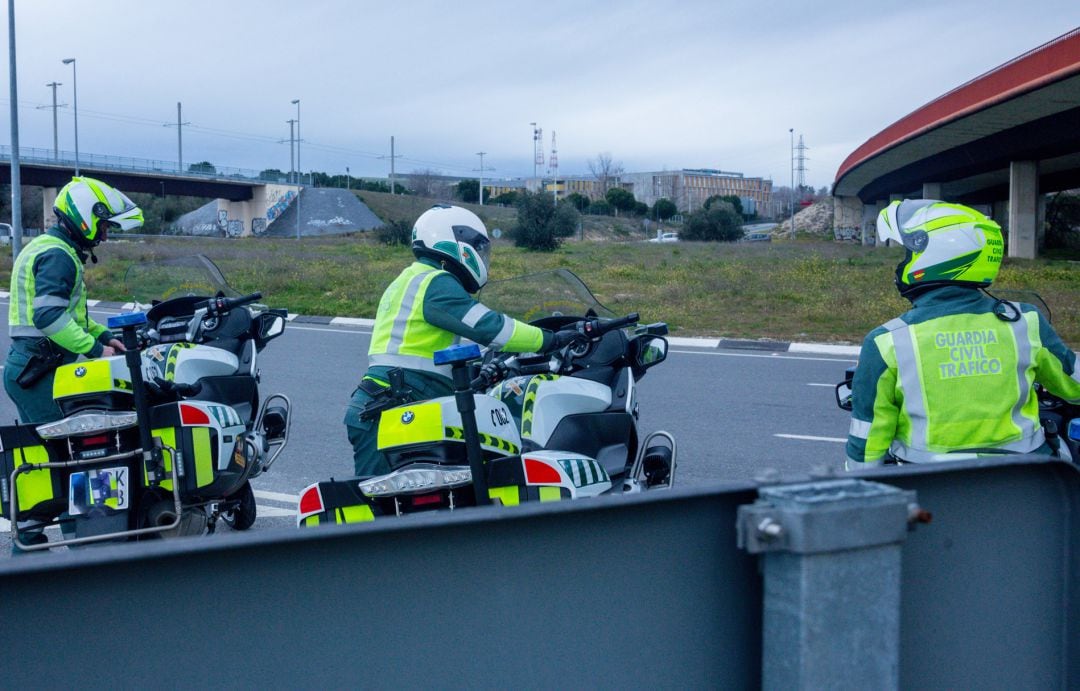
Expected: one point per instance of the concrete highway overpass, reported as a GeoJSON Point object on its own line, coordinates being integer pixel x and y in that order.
{"type": "Point", "coordinates": [248, 201]}
{"type": "Point", "coordinates": [1002, 141]}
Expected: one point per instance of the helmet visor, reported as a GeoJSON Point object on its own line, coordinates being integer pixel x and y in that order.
{"type": "Point", "coordinates": [477, 240]}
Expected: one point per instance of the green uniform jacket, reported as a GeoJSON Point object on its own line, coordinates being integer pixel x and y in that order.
{"type": "Point", "coordinates": [48, 296]}
{"type": "Point", "coordinates": [951, 376]}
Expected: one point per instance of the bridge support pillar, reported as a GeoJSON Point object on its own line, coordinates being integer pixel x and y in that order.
{"type": "Point", "coordinates": [48, 201]}
{"type": "Point", "coordinates": [1023, 209]}
{"type": "Point", "coordinates": [931, 190]}
{"type": "Point", "coordinates": [831, 564]}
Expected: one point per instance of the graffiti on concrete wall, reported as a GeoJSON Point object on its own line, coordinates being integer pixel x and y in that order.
{"type": "Point", "coordinates": [222, 218]}
{"type": "Point", "coordinates": [277, 203]}
{"type": "Point", "coordinates": [235, 229]}
{"type": "Point", "coordinates": [258, 226]}
{"type": "Point", "coordinates": [847, 234]}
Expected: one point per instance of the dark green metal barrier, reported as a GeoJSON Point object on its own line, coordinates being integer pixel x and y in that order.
{"type": "Point", "coordinates": [624, 592]}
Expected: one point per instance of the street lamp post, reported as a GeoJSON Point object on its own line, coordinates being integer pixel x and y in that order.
{"type": "Point", "coordinates": [299, 175]}
{"type": "Point", "coordinates": [348, 179]}
{"type": "Point", "coordinates": [16, 177]}
{"type": "Point", "coordinates": [75, 101]}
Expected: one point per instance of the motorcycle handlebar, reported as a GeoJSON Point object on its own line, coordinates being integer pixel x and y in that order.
{"type": "Point", "coordinates": [221, 305]}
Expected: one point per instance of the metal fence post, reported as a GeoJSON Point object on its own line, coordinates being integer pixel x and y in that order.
{"type": "Point", "coordinates": [831, 566]}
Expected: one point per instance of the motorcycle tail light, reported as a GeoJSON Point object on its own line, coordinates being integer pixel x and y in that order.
{"type": "Point", "coordinates": [420, 478]}
{"type": "Point", "coordinates": [87, 423]}
{"type": "Point", "coordinates": [311, 503]}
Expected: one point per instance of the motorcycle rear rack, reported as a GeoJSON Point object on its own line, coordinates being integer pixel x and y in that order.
{"type": "Point", "coordinates": [277, 445]}
{"type": "Point", "coordinates": [67, 542]}
{"type": "Point", "coordinates": [635, 481]}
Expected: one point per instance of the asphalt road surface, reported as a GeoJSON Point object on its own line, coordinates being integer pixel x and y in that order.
{"type": "Point", "coordinates": [735, 414]}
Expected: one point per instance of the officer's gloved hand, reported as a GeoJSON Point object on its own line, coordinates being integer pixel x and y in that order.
{"type": "Point", "coordinates": [561, 339]}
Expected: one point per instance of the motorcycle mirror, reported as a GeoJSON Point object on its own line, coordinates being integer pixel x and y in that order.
{"type": "Point", "coordinates": [271, 325]}
{"type": "Point", "coordinates": [650, 351]}
{"type": "Point", "coordinates": [843, 395]}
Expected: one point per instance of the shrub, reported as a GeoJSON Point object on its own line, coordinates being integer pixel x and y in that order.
{"type": "Point", "coordinates": [395, 233]}
{"type": "Point", "coordinates": [541, 225]}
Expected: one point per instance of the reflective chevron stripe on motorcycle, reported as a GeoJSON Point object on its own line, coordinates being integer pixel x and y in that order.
{"type": "Point", "coordinates": [170, 359]}
{"type": "Point", "coordinates": [507, 447]}
{"type": "Point", "coordinates": [530, 402]}
{"type": "Point", "coordinates": [584, 471]}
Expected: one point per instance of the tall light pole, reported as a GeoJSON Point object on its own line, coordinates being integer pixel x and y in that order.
{"type": "Point", "coordinates": [348, 179]}
{"type": "Point", "coordinates": [16, 179]}
{"type": "Point", "coordinates": [299, 183]}
{"type": "Point", "coordinates": [55, 135]}
{"type": "Point", "coordinates": [75, 100]}
{"type": "Point", "coordinates": [791, 131]}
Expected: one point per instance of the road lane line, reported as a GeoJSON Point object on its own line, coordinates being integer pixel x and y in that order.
{"type": "Point", "coordinates": [773, 356]}
{"type": "Point", "coordinates": [276, 496]}
{"type": "Point", "coordinates": [806, 437]}
{"type": "Point", "coordinates": [264, 511]}
{"type": "Point", "coordinates": [831, 386]}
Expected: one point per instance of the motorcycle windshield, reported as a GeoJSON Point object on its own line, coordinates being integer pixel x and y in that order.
{"type": "Point", "coordinates": [555, 293]}
{"type": "Point", "coordinates": [162, 279]}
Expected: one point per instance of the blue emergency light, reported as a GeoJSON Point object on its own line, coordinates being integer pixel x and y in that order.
{"type": "Point", "coordinates": [458, 353]}
{"type": "Point", "coordinates": [1074, 430]}
{"type": "Point", "coordinates": [119, 321]}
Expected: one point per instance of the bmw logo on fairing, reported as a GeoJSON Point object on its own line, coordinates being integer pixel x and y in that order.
{"type": "Point", "coordinates": [407, 417]}
{"type": "Point", "coordinates": [80, 371]}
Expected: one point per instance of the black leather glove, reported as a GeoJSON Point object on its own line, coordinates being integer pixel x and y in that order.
{"type": "Point", "coordinates": [561, 339]}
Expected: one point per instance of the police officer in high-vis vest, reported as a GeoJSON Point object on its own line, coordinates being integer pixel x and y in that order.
{"type": "Point", "coordinates": [954, 375]}
{"type": "Point", "coordinates": [47, 318]}
{"type": "Point", "coordinates": [428, 307]}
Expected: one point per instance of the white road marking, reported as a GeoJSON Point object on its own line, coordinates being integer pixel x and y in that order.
{"type": "Point", "coordinates": [831, 386]}
{"type": "Point", "coordinates": [806, 437]}
{"type": "Point", "coordinates": [771, 356]}
{"type": "Point", "coordinates": [273, 512]}
{"type": "Point", "coordinates": [824, 349]}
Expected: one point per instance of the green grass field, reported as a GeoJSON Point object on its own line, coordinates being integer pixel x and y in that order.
{"type": "Point", "coordinates": [805, 290]}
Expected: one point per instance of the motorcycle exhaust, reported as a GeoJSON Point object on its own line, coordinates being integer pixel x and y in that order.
{"type": "Point", "coordinates": [192, 521]}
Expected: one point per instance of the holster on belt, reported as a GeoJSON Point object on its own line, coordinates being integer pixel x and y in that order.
{"type": "Point", "coordinates": [384, 397]}
{"type": "Point", "coordinates": [44, 358]}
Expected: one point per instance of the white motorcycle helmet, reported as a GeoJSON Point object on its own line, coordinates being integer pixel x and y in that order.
{"type": "Point", "coordinates": [456, 238]}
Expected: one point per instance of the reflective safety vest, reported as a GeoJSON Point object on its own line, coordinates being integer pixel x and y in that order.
{"type": "Point", "coordinates": [73, 330]}
{"type": "Point", "coordinates": [403, 337]}
{"type": "Point", "coordinates": [962, 382]}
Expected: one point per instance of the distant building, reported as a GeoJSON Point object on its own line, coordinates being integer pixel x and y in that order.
{"type": "Point", "coordinates": [687, 188]}
{"type": "Point", "coordinates": [690, 187]}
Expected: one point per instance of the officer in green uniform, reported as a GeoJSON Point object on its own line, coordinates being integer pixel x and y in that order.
{"type": "Point", "coordinates": [955, 374]}
{"type": "Point", "coordinates": [428, 307]}
{"type": "Point", "coordinates": [48, 320]}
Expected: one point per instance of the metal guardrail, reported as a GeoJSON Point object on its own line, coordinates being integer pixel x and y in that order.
{"type": "Point", "coordinates": [141, 165]}
{"type": "Point", "coordinates": [636, 591]}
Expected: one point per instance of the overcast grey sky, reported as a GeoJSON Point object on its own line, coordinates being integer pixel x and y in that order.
{"type": "Point", "coordinates": [659, 85]}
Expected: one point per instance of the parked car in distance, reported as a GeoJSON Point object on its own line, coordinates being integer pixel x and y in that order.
{"type": "Point", "coordinates": [5, 233]}
{"type": "Point", "coordinates": [665, 237]}
{"type": "Point", "coordinates": [757, 237]}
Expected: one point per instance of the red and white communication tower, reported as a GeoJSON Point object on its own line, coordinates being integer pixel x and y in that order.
{"type": "Point", "coordinates": [538, 147]}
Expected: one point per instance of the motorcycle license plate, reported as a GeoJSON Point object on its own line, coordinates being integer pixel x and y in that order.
{"type": "Point", "coordinates": [105, 488]}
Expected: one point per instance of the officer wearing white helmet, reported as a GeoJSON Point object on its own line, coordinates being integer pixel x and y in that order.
{"type": "Point", "coordinates": [955, 373]}
{"type": "Point", "coordinates": [428, 307]}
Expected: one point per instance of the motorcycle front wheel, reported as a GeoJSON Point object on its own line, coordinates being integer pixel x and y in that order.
{"type": "Point", "coordinates": [243, 516]}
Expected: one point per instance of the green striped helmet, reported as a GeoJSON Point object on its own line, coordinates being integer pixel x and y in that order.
{"type": "Point", "coordinates": [87, 208]}
{"type": "Point", "coordinates": [945, 244]}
